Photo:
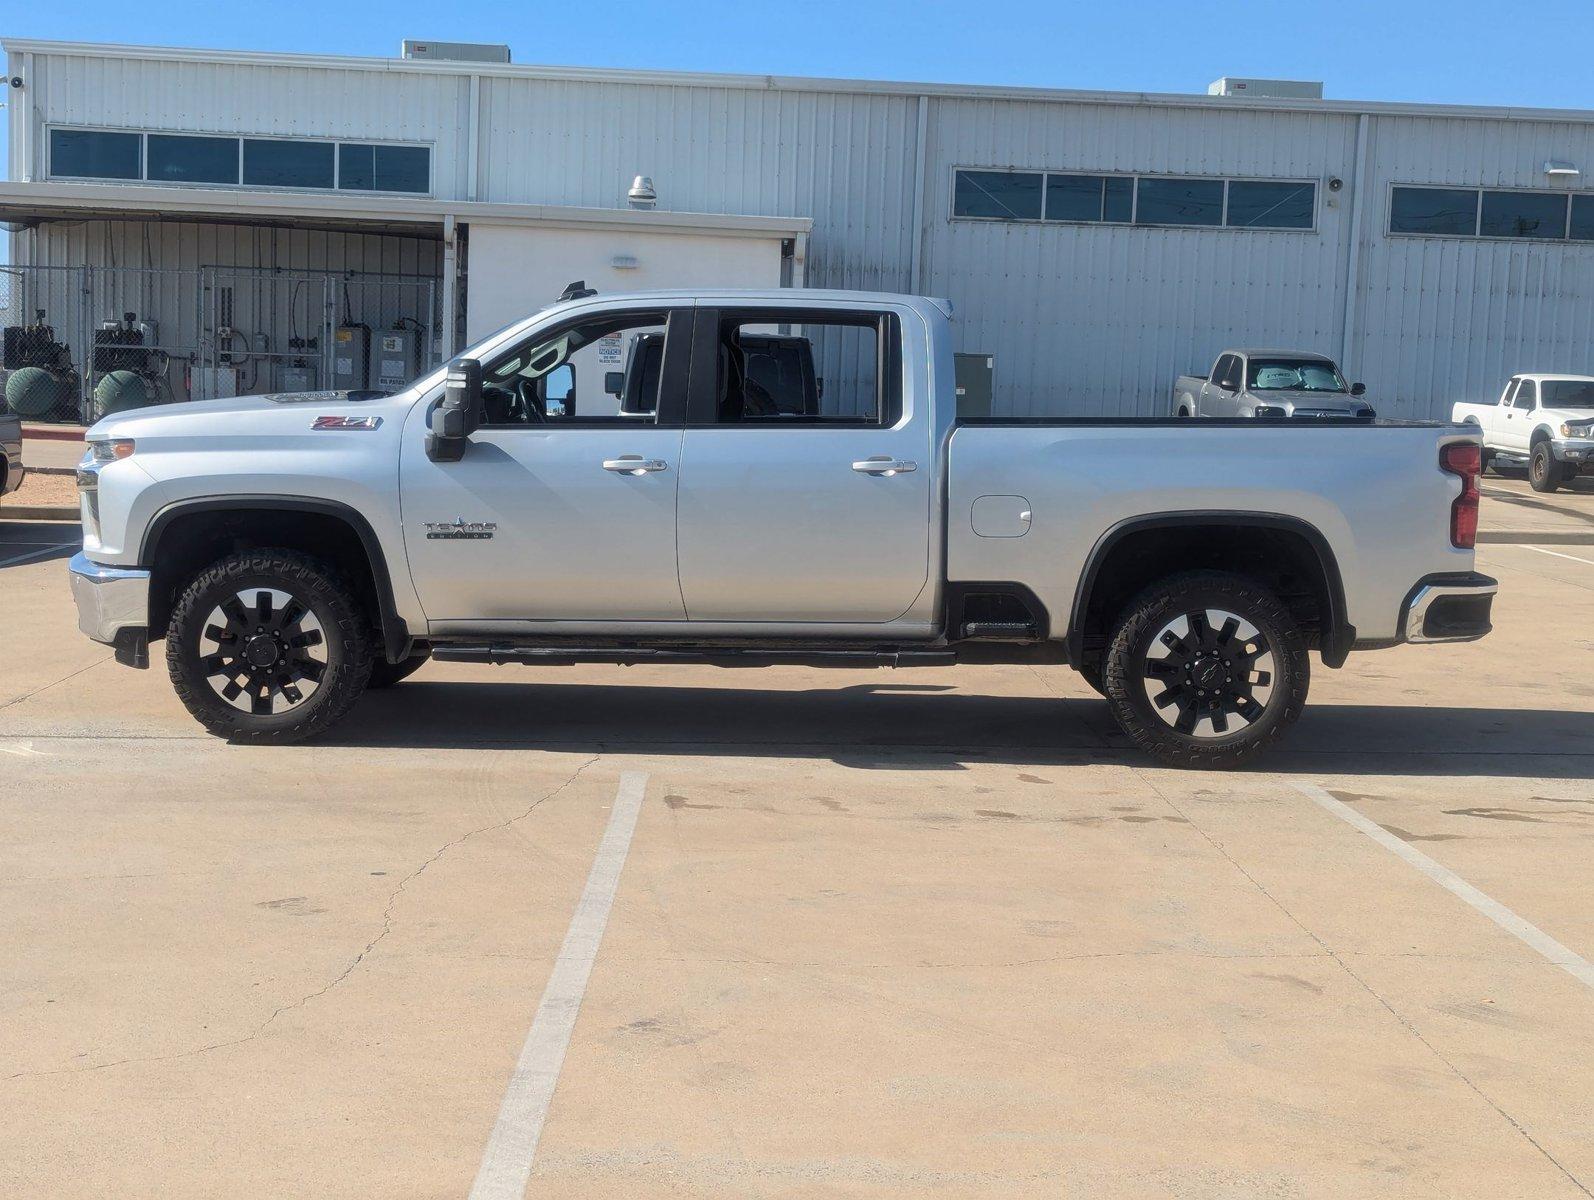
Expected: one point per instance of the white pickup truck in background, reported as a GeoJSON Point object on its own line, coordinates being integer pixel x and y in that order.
{"type": "Point", "coordinates": [1543, 422]}
{"type": "Point", "coordinates": [1270, 383]}
{"type": "Point", "coordinates": [746, 478]}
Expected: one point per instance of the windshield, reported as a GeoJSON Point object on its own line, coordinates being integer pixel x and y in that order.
{"type": "Point", "coordinates": [1293, 374]}
{"type": "Point", "coordinates": [1567, 393]}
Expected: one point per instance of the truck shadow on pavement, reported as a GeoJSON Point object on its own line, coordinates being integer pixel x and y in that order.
{"type": "Point", "coordinates": [934, 727]}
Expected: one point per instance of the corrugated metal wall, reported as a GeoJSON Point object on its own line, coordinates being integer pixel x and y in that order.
{"type": "Point", "coordinates": [845, 160]}
{"type": "Point", "coordinates": [1442, 319]}
{"type": "Point", "coordinates": [1079, 319]}
{"type": "Point", "coordinates": [1099, 319]}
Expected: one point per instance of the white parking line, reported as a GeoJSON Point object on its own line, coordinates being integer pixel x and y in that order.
{"type": "Point", "coordinates": [1558, 554]}
{"type": "Point", "coordinates": [506, 1164]}
{"type": "Point", "coordinates": [39, 553]}
{"type": "Point", "coordinates": [1573, 964]}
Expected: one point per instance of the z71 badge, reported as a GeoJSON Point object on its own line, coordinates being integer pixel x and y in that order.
{"type": "Point", "coordinates": [366, 423]}
{"type": "Point", "coordinates": [459, 530]}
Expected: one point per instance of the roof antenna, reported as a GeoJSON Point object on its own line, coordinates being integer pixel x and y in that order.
{"type": "Point", "coordinates": [576, 291]}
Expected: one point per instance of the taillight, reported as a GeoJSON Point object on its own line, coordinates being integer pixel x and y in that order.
{"type": "Point", "coordinates": [1466, 460]}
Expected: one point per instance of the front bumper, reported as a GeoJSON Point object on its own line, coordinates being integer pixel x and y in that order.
{"type": "Point", "coordinates": [1448, 608]}
{"type": "Point", "coordinates": [1574, 450]}
{"type": "Point", "coordinates": [113, 607]}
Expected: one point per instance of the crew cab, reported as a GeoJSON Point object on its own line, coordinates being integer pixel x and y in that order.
{"type": "Point", "coordinates": [1270, 383]}
{"type": "Point", "coordinates": [521, 505]}
{"type": "Point", "coordinates": [1543, 422]}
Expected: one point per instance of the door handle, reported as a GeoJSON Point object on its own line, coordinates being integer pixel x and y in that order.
{"type": "Point", "coordinates": [634, 464]}
{"type": "Point", "coordinates": [882, 465]}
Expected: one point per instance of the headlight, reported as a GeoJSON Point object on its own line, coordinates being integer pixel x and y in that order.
{"type": "Point", "coordinates": [109, 450]}
{"type": "Point", "coordinates": [1368, 414]}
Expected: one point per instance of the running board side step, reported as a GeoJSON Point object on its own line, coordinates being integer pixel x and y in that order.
{"type": "Point", "coordinates": [560, 656]}
{"type": "Point", "coordinates": [1007, 631]}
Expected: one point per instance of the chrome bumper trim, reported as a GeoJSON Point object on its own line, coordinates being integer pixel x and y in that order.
{"type": "Point", "coordinates": [109, 599]}
{"type": "Point", "coordinates": [1430, 594]}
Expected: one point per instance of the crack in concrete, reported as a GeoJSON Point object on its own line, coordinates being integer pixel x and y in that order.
{"type": "Point", "coordinates": [1401, 1020]}
{"type": "Point", "coordinates": [387, 928]}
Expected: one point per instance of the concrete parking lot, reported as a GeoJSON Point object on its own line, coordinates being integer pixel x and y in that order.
{"type": "Point", "coordinates": [687, 932]}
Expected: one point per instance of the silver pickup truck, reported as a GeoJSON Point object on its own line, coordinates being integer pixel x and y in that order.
{"type": "Point", "coordinates": [744, 504]}
{"type": "Point", "coordinates": [1270, 383]}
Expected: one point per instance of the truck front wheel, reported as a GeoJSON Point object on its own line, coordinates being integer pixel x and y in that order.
{"type": "Point", "coordinates": [268, 646]}
{"type": "Point", "coordinates": [1206, 669]}
{"type": "Point", "coordinates": [1544, 473]}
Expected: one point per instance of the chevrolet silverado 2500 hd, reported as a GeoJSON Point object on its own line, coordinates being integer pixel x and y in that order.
{"type": "Point", "coordinates": [1543, 421]}
{"type": "Point", "coordinates": [294, 549]}
{"type": "Point", "coordinates": [1270, 383]}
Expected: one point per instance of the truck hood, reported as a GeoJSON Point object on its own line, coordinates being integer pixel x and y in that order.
{"type": "Point", "coordinates": [1580, 419]}
{"type": "Point", "coordinates": [221, 412]}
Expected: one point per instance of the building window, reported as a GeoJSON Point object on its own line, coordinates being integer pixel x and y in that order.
{"type": "Point", "coordinates": [1179, 202]}
{"type": "Point", "coordinates": [1129, 199]}
{"type": "Point", "coordinates": [384, 168]}
{"type": "Point", "coordinates": [227, 160]}
{"type": "Point", "coordinates": [1254, 204]}
{"type": "Point", "coordinates": [1002, 195]}
{"type": "Point", "coordinates": [1090, 198]}
{"type": "Point", "coordinates": [1476, 212]}
{"type": "Point", "coordinates": [1524, 214]}
{"type": "Point", "coordinates": [279, 162]}
{"type": "Point", "coordinates": [175, 158]}
{"type": "Point", "coordinates": [1583, 218]}
{"type": "Point", "coordinates": [1452, 211]}
{"type": "Point", "coordinates": [93, 154]}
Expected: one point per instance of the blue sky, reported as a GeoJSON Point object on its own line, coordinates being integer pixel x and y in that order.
{"type": "Point", "coordinates": [1457, 51]}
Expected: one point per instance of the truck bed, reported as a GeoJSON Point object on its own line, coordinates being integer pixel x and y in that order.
{"type": "Point", "coordinates": [1082, 478]}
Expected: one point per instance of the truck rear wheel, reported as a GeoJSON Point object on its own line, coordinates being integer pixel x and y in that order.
{"type": "Point", "coordinates": [1544, 473]}
{"type": "Point", "coordinates": [268, 646]}
{"type": "Point", "coordinates": [1206, 669]}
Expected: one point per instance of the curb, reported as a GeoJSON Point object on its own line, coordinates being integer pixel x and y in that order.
{"type": "Point", "coordinates": [53, 433]}
{"type": "Point", "coordinates": [38, 512]}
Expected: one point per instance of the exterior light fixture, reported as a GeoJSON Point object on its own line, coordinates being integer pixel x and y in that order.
{"type": "Point", "coordinates": [1557, 169]}
{"type": "Point", "coordinates": [642, 194]}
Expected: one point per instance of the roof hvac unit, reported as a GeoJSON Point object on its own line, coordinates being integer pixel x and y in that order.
{"type": "Point", "coordinates": [456, 51]}
{"type": "Point", "coordinates": [1275, 89]}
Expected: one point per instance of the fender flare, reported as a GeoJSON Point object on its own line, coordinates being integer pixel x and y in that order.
{"type": "Point", "coordinates": [396, 638]}
{"type": "Point", "coordinates": [1338, 634]}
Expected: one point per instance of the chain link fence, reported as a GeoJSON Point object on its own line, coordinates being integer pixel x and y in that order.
{"type": "Point", "coordinates": [80, 342]}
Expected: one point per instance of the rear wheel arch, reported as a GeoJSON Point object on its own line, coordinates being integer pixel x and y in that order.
{"type": "Point", "coordinates": [1287, 554]}
{"type": "Point", "coordinates": [187, 536]}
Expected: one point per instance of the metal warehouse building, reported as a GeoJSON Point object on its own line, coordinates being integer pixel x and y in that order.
{"type": "Point", "coordinates": [290, 221]}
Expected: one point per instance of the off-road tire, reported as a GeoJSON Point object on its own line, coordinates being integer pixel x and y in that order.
{"type": "Point", "coordinates": [1544, 473]}
{"type": "Point", "coordinates": [347, 636]}
{"type": "Point", "coordinates": [1129, 650]}
{"type": "Point", "coordinates": [385, 674]}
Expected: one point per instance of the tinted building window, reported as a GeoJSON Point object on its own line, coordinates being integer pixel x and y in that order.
{"type": "Point", "coordinates": [90, 154]}
{"type": "Point", "coordinates": [384, 168]}
{"type": "Point", "coordinates": [1180, 202]}
{"type": "Point", "coordinates": [1007, 195]}
{"type": "Point", "coordinates": [1523, 215]}
{"type": "Point", "coordinates": [1433, 210]}
{"type": "Point", "coordinates": [170, 158]}
{"type": "Point", "coordinates": [272, 162]}
{"type": "Point", "coordinates": [1073, 197]}
{"type": "Point", "coordinates": [1583, 218]}
{"type": "Point", "coordinates": [1118, 199]}
{"type": "Point", "coordinates": [1255, 205]}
